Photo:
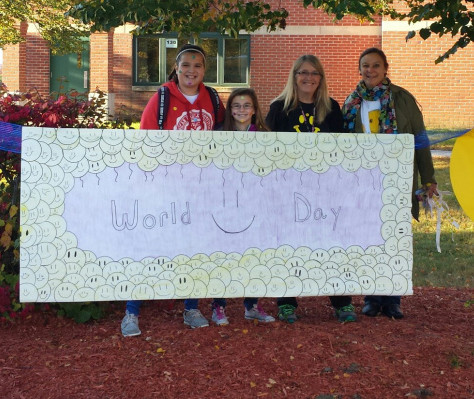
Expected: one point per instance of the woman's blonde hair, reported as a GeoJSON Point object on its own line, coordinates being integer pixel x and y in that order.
{"type": "Point", "coordinates": [321, 99]}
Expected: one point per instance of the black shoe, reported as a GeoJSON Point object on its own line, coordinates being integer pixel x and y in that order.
{"type": "Point", "coordinates": [371, 309]}
{"type": "Point", "coordinates": [392, 310]}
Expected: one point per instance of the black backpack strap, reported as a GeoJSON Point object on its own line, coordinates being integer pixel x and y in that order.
{"type": "Point", "coordinates": [163, 105]}
{"type": "Point", "coordinates": [215, 103]}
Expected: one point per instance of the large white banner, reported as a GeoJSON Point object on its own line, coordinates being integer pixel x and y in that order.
{"type": "Point", "coordinates": [135, 214]}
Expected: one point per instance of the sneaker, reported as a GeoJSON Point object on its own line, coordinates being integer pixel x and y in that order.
{"type": "Point", "coordinates": [257, 313]}
{"type": "Point", "coordinates": [130, 325]}
{"type": "Point", "coordinates": [346, 314]}
{"type": "Point", "coordinates": [287, 313]}
{"type": "Point", "coordinates": [218, 316]}
{"type": "Point", "coordinates": [194, 319]}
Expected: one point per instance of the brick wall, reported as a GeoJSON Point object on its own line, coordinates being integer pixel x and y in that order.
{"type": "Point", "coordinates": [14, 63]}
{"type": "Point", "coordinates": [446, 90]}
{"type": "Point", "coordinates": [37, 63]}
{"type": "Point", "coordinates": [101, 61]}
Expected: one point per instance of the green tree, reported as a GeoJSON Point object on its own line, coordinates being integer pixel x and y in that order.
{"type": "Point", "coordinates": [50, 19]}
{"type": "Point", "coordinates": [190, 17]}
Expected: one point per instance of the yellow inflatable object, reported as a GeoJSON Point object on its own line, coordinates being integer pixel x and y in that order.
{"type": "Point", "coordinates": [462, 172]}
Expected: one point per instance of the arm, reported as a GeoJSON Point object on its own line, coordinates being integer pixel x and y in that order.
{"type": "Point", "coordinates": [336, 120]}
{"type": "Point", "coordinates": [274, 119]}
{"type": "Point", "coordinates": [149, 116]}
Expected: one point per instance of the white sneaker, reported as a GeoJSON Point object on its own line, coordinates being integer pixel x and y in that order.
{"type": "Point", "coordinates": [194, 319]}
{"type": "Point", "coordinates": [257, 313]}
{"type": "Point", "coordinates": [219, 317]}
{"type": "Point", "coordinates": [130, 325]}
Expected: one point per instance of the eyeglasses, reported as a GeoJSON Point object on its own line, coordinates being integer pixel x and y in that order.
{"type": "Point", "coordinates": [307, 74]}
{"type": "Point", "coordinates": [244, 106]}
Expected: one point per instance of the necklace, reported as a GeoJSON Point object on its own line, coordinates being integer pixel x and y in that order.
{"type": "Point", "coordinates": [309, 126]}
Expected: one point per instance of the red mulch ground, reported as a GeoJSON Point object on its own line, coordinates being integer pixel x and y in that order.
{"type": "Point", "coordinates": [430, 353]}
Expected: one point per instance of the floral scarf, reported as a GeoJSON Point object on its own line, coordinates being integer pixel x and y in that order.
{"type": "Point", "coordinates": [382, 92]}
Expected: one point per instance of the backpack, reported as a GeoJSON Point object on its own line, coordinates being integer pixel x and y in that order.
{"type": "Point", "coordinates": [164, 103]}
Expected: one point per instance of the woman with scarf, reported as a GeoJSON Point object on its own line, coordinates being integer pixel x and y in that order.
{"type": "Point", "coordinates": [379, 106]}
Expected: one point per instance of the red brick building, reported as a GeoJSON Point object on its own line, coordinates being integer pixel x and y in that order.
{"type": "Point", "coordinates": [131, 69]}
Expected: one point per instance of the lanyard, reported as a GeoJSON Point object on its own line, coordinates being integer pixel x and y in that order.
{"type": "Point", "coordinates": [309, 126]}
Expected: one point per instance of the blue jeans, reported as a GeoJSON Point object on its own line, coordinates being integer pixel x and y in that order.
{"type": "Point", "coordinates": [133, 307]}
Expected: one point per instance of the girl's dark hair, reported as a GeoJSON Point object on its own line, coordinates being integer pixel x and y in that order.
{"type": "Point", "coordinates": [184, 49]}
{"type": "Point", "coordinates": [257, 118]}
{"type": "Point", "coordinates": [376, 51]}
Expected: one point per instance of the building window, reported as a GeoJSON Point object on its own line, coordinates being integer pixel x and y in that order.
{"type": "Point", "coordinates": [227, 61]}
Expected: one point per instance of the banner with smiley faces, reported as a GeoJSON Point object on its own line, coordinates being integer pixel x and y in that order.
{"type": "Point", "coordinates": [136, 214]}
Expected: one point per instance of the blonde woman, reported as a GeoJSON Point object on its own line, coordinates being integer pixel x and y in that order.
{"type": "Point", "coordinates": [304, 105]}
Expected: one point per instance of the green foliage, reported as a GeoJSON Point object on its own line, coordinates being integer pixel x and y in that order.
{"type": "Point", "coordinates": [66, 110]}
{"type": "Point", "coordinates": [49, 17]}
{"type": "Point", "coordinates": [82, 312]}
{"type": "Point", "coordinates": [453, 266]}
{"type": "Point", "coordinates": [187, 18]}
{"type": "Point", "coordinates": [449, 17]}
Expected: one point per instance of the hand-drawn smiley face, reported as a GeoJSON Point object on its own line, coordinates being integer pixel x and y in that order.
{"type": "Point", "coordinates": [244, 164]}
{"type": "Point", "coordinates": [192, 149]}
{"type": "Point", "coordinates": [104, 293]}
{"type": "Point", "coordinates": [142, 292]}
{"type": "Point", "coordinates": [172, 147]}
{"type": "Point", "coordinates": [216, 288]}
{"type": "Point", "coordinates": [320, 255]}
{"type": "Point", "coordinates": [234, 150]}
{"type": "Point", "coordinates": [294, 286]}
{"type": "Point", "coordinates": [394, 149]}
{"type": "Point", "coordinates": [148, 164]}
{"type": "Point", "coordinates": [265, 138]}
{"type": "Point", "coordinates": [115, 278]}
{"type": "Point", "coordinates": [110, 149]}
{"type": "Point", "coordinates": [244, 136]}
{"type": "Point", "coordinates": [64, 292]}
{"type": "Point", "coordinates": [400, 284]}
{"type": "Point", "coordinates": [163, 289]}
{"type": "Point", "coordinates": [223, 137]}
{"type": "Point", "coordinates": [383, 286]}
{"type": "Point", "coordinates": [84, 294]}
{"type": "Point", "coordinates": [327, 142]}
{"type": "Point", "coordinates": [201, 138]}
{"type": "Point", "coordinates": [183, 284]}
{"type": "Point", "coordinates": [199, 290]}
{"type": "Point", "coordinates": [30, 150]}
{"type": "Point", "coordinates": [223, 162]}
{"type": "Point", "coordinates": [255, 288]}
{"type": "Point", "coordinates": [153, 151]}
{"type": "Point", "coordinates": [113, 160]}
{"type": "Point", "coordinates": [202, 161]}
{"type": "Point", "coordinates": [276, 287]}
{"type": "Point", "coordinates": [275, 151]}
{"type": "Point", "coordinates": [28, 293]}
{"type": "Point", "coordinates": [347, 142]}
{"type": "Point", "coordinates": [368, 284]}
{"type": "Point", "coordinates": [113, 136]}
{"type": "Point", "coordinates": [310, 287]}
{"type": "Point", "coordinates": [261, 272]}
{"type": "Point", "coordinates": [123, 290]}
{"type": "Point", "coordinates": [212, 149]}
{"type": "Point", "coordinates": [235, 289]}
{"type": "Point", "coordinates": [254, 149]}
{"type": "Point", "coordinates": [356, 154]}
{"type": "Point", "coordinates": [241, 275]}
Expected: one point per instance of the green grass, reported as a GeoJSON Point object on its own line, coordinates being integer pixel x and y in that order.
{"type": "Point", "coordinates": [454, 266]}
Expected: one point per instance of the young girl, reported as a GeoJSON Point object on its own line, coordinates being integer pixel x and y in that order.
{"type": "Point", "coordinates": [243, 113]}
{"type": "Point", "coordinates": [190, 106]}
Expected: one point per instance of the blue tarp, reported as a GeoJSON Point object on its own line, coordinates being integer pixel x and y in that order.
{"type": "Point", "coordinates": [10, 137]}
